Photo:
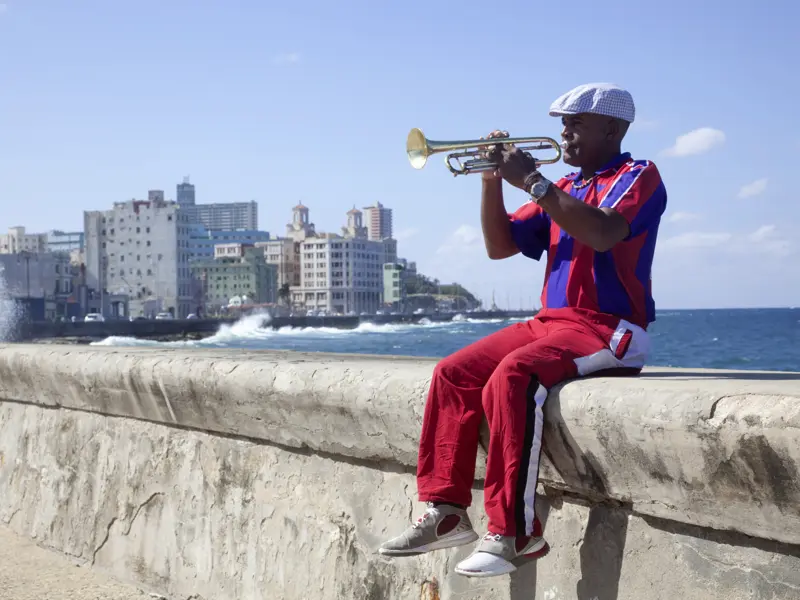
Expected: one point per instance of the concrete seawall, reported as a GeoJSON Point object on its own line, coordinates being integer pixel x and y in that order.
{"type": "Point", "coordinates": [228, 474]}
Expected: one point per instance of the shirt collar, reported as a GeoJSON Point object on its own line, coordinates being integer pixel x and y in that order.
{"type": "Point", "coordinates": [615, 162]}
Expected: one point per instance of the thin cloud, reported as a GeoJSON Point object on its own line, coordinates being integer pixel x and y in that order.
{"type": "Point", "coordinates": [697, 141]}
{"type": "Point", "coordinates": [286, 58]}
{"type": "Point", "coordinates": [406, 234]}
{"type": "Point", "coordinates": [645, 125]}
{"type": "Point", "coordinates": [466, 236]}
{"type": "Point", "coordinates": [766, 240]}
{"type": "Point", "coordinates": [679, 217]}
{"type": "Point", "coordinates": [692, 240]}
{"type": "Point", "coordinates": [755, 188]}
{"type": "Point", "coordinates": [3, 7]}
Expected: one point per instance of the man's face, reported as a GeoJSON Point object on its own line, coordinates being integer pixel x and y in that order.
{"type": "Point", "coordinates": [587, 136]}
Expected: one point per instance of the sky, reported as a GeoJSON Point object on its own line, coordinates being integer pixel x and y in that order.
{"type": "Point", "coordinates": [312, 101]}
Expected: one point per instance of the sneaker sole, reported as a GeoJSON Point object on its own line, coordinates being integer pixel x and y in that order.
{"type": "Point", "coordinates": [465, 537]}
{"type": "Point", "coordinates": [504, 570]}
{"type": "Point", "coordinates": [538, 550]}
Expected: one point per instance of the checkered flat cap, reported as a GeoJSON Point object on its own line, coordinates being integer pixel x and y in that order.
{"type": "Point", "coordinates": [598, 98]}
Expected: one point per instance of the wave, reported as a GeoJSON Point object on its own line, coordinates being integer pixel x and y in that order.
{"type": "Point", "coordinates": [256, 327]}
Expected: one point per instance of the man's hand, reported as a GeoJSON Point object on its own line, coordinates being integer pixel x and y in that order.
{"type": "Point", "coordinates": [492, 174]}
{"type": "Point", "coordinates": [514, 165]}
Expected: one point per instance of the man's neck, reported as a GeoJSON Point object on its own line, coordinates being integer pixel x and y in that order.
{"type": "Point", "coordinates": [588, 171]}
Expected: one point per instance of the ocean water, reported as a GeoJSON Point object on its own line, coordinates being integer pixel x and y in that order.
{"type": "Point", "coordinates": [754, 339]}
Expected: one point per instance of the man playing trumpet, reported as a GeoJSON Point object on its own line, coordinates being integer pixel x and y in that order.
{"type": "Point", "coordinates": [598, 226]}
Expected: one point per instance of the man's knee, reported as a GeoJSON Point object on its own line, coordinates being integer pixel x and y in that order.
{"type": "Point", "coordinates": [450, 368]}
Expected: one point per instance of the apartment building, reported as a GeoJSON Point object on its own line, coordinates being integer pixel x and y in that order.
{"type": "Point", "coordinates": [17, 240]}
{"type": "Point", "coordinates": [378, 220]}
{"type": "Point", "coordinates": [284, 253]}
{"type": "Point", "coordinates": [224, 216]}
{"type": "Point", "coordinates": [216, 216]}
{"type": "Point", "coordinates": [202, 241]}
{"type": "Point", "coordinates": [141, 248]}
{"type": "Point", "coordinates": [237, 271]}
{"type": "Point", "coordinates": [342, 274]}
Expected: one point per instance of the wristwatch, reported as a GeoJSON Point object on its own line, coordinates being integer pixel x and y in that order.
{"type": "Point", "coordinates": [539, 188]}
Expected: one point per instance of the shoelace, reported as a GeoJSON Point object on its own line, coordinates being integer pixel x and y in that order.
{"type": "Point", "coordinates": [422, 519]}
{"type": "Point", "coordinates": [492, 537]}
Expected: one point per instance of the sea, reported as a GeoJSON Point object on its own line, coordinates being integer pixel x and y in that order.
{"type": "Point", "coordinates": [752, 339]}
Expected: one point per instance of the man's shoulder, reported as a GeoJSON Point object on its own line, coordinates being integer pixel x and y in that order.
{"type": "Point", "coordinates": [641, 166]}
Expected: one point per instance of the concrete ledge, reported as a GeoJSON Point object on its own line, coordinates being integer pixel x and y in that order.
{"type": "Point", "coordinates": [717, 449]}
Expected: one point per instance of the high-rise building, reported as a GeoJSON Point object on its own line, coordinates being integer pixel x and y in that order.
{"type": "Point", "coordinates": [224, 216]}
{"type": "Point", "coordinates": [216, 216]}
{"type": "Point", "coordinates": [378, 222]}
{"type": "Point", "coordinates": [184, 194]}
{"type": "Point", "coordinates": [141, 248]}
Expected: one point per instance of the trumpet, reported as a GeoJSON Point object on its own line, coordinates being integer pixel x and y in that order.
{"type": "Point", "coordinates": [419, 148]}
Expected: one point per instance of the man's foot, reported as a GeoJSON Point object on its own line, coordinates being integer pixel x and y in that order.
{"type": "Point", "coordinates": [440, 527]}
{"type": "Point", "coordinates": [495, 552]}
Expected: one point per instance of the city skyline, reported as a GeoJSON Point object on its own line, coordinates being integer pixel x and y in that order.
{"type": "Point", "coordinates": [318, 112]}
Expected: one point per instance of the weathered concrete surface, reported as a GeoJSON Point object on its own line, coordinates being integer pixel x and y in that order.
{"type": "Point", "coordinates": [28, 572]}
{"type": "Point", "coordinates": [201, 516]}
{"type": "Point", "coordinates": [677, 444]}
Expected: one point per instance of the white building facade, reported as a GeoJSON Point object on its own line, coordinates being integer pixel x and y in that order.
{"type": "Point", "coordinates": [141, 248]}
{"type": "Point", "coordinates": [17, 240]}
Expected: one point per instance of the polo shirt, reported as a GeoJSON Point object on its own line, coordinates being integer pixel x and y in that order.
{"type": "Point", "coordinates": [618, 281]}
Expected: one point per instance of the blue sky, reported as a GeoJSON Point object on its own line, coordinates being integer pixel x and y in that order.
{"type": "Point", "coordinates": [285, 102]}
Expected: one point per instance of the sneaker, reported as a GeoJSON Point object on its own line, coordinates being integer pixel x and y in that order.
{"type": "Point", "coordinates": [494, 554]}
{"type": "Point", "coordinates": [440, 527]}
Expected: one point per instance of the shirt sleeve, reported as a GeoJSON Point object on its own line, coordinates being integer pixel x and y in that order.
{"type": "Point", "coordinates": [638, 195]}
{"type": "Point", "coordinates": [530, 228]}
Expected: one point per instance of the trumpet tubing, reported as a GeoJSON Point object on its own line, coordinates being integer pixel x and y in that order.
{"type": "Point", "coordinates": [419, 149]}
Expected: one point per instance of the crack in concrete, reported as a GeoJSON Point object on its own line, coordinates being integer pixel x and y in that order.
{"type": "Point", "coordinates": [105, 539]}
{"type": "Point", "coordinates": [130, 524]}
{"type": "Point", "coordinates": [735, 567]}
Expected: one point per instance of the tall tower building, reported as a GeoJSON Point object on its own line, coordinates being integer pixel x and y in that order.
{"type": "Point", "coordinates": [378, 220]}
{"type": "Point", "coordinates": [185, 193]}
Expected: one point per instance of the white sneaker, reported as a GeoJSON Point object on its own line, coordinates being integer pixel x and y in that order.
{"type": "Point", "coordinates": [440, 527]}
{"type": "Point", "coordinates": [494, 553]}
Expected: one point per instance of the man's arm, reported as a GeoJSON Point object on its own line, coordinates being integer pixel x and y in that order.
{"type": "Point", "coordinates": [598, 228]}
{"type": "Point", "coordinates": [637, 198]}
{"type": "Point", "coordinates": [495, 222]}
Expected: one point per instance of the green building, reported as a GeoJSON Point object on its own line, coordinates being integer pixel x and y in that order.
{"type": "Point", "coordinates": [237, 271]}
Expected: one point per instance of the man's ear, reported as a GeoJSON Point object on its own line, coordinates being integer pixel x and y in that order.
{"type": "Point", "coordinates": [612, 129]}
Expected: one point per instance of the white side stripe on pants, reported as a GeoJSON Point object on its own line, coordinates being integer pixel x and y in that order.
{"type": "Point", "coordinates": [606, 358]}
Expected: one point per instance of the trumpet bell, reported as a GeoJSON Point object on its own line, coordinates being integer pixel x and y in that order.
{"type": "Point", "coordinates": [417, 148]}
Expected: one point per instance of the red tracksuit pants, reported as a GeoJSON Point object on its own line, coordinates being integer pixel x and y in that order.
{"type": "Point", "coordinates": [505, 377]}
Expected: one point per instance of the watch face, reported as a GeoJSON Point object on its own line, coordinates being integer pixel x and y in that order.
{"type": "Point", "coordinates": [539, 189]}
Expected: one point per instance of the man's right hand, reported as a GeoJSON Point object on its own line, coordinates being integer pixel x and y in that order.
{"type": "Point", "coordinates": [494, 154]}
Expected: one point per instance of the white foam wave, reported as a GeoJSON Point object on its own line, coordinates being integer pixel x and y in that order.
{"type": "Point", "coordinates": [253, 328]}
{"type": "Point", "coordinates": [10, 311]}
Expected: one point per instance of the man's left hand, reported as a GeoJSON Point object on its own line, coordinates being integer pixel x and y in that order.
{"type": "Point", "coordinates": [514, 165]}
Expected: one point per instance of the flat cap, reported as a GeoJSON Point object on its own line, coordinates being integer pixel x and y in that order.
{"type": "Point", "coordinates": [598, 98]}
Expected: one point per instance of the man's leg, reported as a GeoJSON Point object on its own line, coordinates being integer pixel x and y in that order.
{"type": "Point", "coordinates": [449, 442]}
{"type": "Point", "coordinates": [513, 401]}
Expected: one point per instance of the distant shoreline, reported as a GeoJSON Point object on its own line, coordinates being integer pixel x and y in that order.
{"type": "Point", "coordinates": [196, 329]}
